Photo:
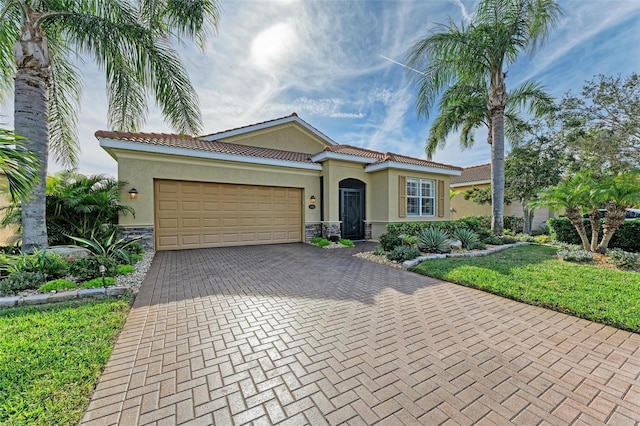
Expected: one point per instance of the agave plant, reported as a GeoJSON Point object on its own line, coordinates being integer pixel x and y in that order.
{"type": "Point", "coordinates": [434, 240]}
{"type": "Point", "coordinates": [468, 238]}
{"type": "Point", "coordinates": [109, 247]}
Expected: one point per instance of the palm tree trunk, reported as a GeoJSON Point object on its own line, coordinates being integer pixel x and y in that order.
{"type": "Point", "coordinates": [594, 220]}
{"type": "Point", "coordinates": [612, 221]}
{"type": "Point", "coordinates": [497, 102]}
{"type": "Point", "coordinates": [31, 121]}
{"type": "Point", "coordinates": [573, 213]}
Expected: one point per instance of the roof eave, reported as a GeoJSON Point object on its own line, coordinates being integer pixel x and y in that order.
{"type": "Point", "coordinates": [410, 167]}
{"type": "Point", "coordinates": [328, 155]}
{"type": "Point", "coordinates": [475, 182]}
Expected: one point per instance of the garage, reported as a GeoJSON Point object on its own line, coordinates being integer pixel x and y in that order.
{"type": "Point", "coordinates": [202, 214]}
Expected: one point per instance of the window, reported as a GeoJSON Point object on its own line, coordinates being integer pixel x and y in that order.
{"type": "Point", "coordinates": [421, 197]}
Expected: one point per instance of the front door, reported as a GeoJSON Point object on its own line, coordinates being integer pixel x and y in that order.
{"type": "Point", "coordinates": [352, 213]}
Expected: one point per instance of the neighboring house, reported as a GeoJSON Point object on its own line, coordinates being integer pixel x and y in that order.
{"type": "Point", "coordinates": [272, 182]}
{"type": "Point", "coordinates": [8, 234]}
{"type": "Point", "coordinates": [480, 177]}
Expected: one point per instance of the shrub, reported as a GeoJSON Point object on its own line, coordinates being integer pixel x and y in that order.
{"type": "Point", "coordinates": [125, 269]}
{"type": "Point", "coordinates": [624, 260]}
{"type": "Point", "coordinates": [507, 239]}
{"type": "Point", "coordinates": [135, 258]}
{"type": "Point", "coordinates": [99, 282]}
{"type": "Point", "coordinates": [627, 237]}
{"type": "Point", "coordinates": [88, 267]}
{"type": "Point", "coordinates": [434, 240]}
{"type": "Point", "coordinates": [513, 223]}
{"type": "Point", "coordinates": [390, 240]}
{"type": "Point", "coordinates": [379, 251]}
{"type": "Point", "coordinates": [468, 238]}
{"type": "Point", "coordinates": [493, 240]}
{"type": "Point", "coordinates": [345, 242]}
{"type": "Point", "coordinates": [575, 254]}
{"type": "Point", "coordinates": [135, 248]}
{"type": "Point", "coordinates": [59, 284]}
{"type": "Point", "coordinates": [111, 246]}
{"type": "Point", "coordinates": [50, 264]}
{"type": "Point", "coordinates": [324, 242]}
{"type": "Point", "coordinates": [402, 253]}
{"type": "Point", "coordinates": [19, 281]}
{"type": "Point", "coordinates": [316, 240]}
{"type": "Point", "coordinates": [542, 239]}
{"type": "Point", "coordinates": [525, 238]}
{"type": "Point", "coordinates": [411, 240]}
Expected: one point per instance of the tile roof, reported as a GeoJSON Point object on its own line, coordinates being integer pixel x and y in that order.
{"type": "Point", "coordinates": [189, 142]}
{"type": "Point", "coordinates": [481, 172]}
{"type": "Point", "coordinates": [388, 156]}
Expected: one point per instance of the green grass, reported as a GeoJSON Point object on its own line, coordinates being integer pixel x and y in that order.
{"type": "Point", "coordinates": [532, 274]}
{"type": "Point", "coordinates": [51, 358]}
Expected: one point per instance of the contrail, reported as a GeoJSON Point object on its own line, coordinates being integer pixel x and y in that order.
{"type": "Point", "coordinates": [403, 65]}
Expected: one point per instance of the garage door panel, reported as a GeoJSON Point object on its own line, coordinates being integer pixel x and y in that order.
{"type": "Point", "coordinates": [198, 214]}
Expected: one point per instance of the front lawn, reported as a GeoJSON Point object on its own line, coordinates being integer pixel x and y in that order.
{"type": "Point", "coordinates": [51, 358]}
{"type": "Point", "coordinates": [532, 274]}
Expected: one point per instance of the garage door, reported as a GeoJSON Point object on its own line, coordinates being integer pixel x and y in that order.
{"type": "Point", "coordinates": [199, 214]}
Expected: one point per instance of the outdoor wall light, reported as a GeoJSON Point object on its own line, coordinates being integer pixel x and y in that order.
{"type": "Point", "coordinates": [133, 193]}
{"type": "Point", "coordinates": [312, 202]}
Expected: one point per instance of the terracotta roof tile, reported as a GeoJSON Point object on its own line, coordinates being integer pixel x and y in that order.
{"type": "Point", "coordinates": [189, 142]}
{"type": "Point", "coordinates": [477, 173]}
{"type": "Point", "coordinates": [388, 156]}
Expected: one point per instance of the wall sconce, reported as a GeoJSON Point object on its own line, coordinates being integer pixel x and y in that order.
{"type": "Point", "coordinates": [133, 193]}
{"type": "Point", "coordinates": [312, 202]}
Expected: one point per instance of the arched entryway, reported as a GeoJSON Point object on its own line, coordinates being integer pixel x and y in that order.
{"type": "Point", "coordinates": [352, 210]}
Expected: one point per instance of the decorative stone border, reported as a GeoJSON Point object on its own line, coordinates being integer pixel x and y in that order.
{"type": "Point", "coordinates": [411, 263]}
{"type": "Point", "coordinates": [63, 296]}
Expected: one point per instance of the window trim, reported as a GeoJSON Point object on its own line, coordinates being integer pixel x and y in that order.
{"type": "Point", "coordinates": [420, 197]}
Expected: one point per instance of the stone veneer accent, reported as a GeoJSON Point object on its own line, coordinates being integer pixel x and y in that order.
{"type": "Point", "coordinates": [331, 228]}
{"type": "Point", "coordinates": [312, 230]}
{"type": "Point", "coordinates": [367, 231]}
{"type": "Point", "coordinates": [147, 231]}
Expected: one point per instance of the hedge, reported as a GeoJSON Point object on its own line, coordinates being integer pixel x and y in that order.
{"type": "Point", "coordinates": [481, 225]}
{"type": "Point", "coordinates": [627, 237]}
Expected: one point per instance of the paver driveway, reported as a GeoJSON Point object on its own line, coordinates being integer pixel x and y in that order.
{"type": "Point", "coordinates": [299, 335]}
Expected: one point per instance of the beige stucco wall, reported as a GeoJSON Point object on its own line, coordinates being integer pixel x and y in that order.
{"type": "Point", "coordinates": [8, 235]}
{"type": "Point", "coordinates": [140, 170]}
{"type": "Point", "coordinates": [463, 208]}
{"type": "Point", "coordinates": [390, 214]}
{"type": "Point", "coordinates": [335, 171]}
{"type": "Point", "coordinates": [287, 137]}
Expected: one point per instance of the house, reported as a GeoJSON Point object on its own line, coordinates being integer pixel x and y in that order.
{"type": "Point", "coordinates": [480, 177]}
{"type": "Point", "coordinates": [272, 182]}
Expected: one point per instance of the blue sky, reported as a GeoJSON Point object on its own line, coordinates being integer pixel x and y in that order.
{"type": "Point", "coordinates": [324, 60]}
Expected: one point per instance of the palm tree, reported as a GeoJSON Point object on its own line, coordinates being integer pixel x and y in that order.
{"type": "Point", "coordinates": [130, 40]}
{"type": "Point", "coordinates": [19, 165]}
{"type": "Point", "coordinates": [464, 107]}
{"type": "Point", "coordinates": [620, 193]}
{"type": "Point", "coordinates": [476, 55]}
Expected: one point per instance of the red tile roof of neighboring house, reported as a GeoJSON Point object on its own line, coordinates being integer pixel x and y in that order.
{"type": "Point", "coordinates": [479, 173]}
{"type": "Point", "coordinates": [189, 142]}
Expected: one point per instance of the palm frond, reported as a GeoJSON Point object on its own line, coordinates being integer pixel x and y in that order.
{"type": "Point", "coordinates": [9, 33]}
{"type": "Point", "coordinates": [19, 165]}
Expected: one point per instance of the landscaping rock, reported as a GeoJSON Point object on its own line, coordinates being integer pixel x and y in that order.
{"type": "Point", "coordinates": [455, 244]}
{"type": "Point", "coordinates": [35, 299]}
{"type": "Point", "coordinates": [116, 291]}
{"type": "Point", "coordinates": [9, 302]}
{"type": "Point", "coordinates": [92, 292]}
{"type": "Point", "coordinates": [70, 252]}
{"type": "Point", "coordinates": [63, 296]}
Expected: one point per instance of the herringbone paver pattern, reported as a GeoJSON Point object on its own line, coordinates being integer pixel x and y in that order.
{"type": "Point", "coordinates": [292, 334]}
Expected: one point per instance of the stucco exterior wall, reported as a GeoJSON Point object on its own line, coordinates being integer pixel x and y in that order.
{"type": "Point", "coordinates": [463, 208]}
{"type": "Point", "coordinates": [379, 223]}
{"type": "Point", "coordinates": [140, 170]}
{"type": "Point", "coordinates": [335, 171]}
{"type": "Point", "coordinates": [8, 234]}
{"type": "Point", "coordinates": [287, 137]}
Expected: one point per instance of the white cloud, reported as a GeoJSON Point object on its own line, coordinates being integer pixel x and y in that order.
{"type": "Point", "coordinates": [273, 46]}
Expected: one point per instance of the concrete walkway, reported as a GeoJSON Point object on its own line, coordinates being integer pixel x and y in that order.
{"type": "Point", "coordinates": [293, 334]}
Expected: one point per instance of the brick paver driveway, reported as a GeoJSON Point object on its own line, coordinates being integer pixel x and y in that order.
{"type": "Point", "coordinates": [299, 335]}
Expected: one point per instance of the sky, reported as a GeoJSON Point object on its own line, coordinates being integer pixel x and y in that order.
{"type": "Point", "coordinates": [336, 64]}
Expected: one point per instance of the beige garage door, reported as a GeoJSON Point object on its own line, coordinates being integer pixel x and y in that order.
{"type": "Point", "coordinates": [199, 214]}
